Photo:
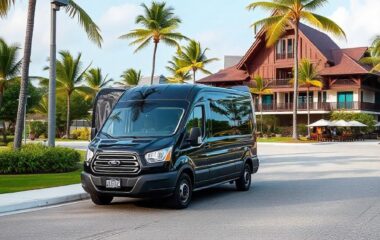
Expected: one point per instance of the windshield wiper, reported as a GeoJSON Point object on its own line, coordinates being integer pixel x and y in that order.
{"type": "Point", "coordinates": [107, 135]}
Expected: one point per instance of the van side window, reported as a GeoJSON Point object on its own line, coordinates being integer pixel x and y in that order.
{"type": "Point", "coordinates": [196, 119]}
{"type": "Point", "coordinates": [231, 116]}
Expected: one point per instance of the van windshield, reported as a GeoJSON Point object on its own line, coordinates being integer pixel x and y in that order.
{"type": "Point", "coordinates": [144, 119]}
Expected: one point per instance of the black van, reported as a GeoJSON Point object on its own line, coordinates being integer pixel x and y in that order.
{"type": "Point", "coordinates": [168, 141]}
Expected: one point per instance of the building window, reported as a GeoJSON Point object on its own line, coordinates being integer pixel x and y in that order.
{"type": "Point", "coordinates": [285, 48]}
{"type": "Point", "coordinates": [345, 100]}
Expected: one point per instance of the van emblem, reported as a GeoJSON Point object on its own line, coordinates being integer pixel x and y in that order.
{"type": "Point", "coordinates": [114, 163]}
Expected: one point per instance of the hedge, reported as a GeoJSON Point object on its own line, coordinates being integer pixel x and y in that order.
{"type": "Point", "coordinates": [37, 158]}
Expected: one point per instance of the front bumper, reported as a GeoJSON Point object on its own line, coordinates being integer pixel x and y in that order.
{"type": "Point", "coordinates": [149, 185]}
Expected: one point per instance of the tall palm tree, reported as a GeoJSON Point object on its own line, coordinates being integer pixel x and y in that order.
{"type": "Point", "coordinates": [158, 24]}
{"type": "Point", "coordinates": [193, 58]}
{"type": "Point", "coordinates": [70, 75]}
{"type": "Point", "coordinates": [308, 77]}
{"type": "Point", "coordinates": [74, 11]}
{"type": "Point", "coordinates": [130, 77]}
{"type": "Point", "coordinates": [95, 80]}
{"type": "Point", "coordinates": [177, 77]}
{"type": "Point", "coordinates": [289, 13]}
{"type": "Point", "coordinates": [373, 57]}
{"type": "Point", "coordinates": [260, 88]}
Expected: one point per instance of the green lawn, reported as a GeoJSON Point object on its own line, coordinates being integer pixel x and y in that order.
{"type": "Point", "coordinates": [283, 140]}
{"type": "Point", "coordinates": [23, 182]}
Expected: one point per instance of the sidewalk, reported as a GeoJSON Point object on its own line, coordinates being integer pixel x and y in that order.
{"type": "Point", "coordinates": [10, 202]}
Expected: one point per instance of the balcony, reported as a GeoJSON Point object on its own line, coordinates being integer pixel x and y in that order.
{"type": "Point", "coordinates": [278, 82]}
{"type": "Point", "coordinates": [328, 107]}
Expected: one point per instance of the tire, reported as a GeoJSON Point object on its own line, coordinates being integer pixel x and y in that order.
{"type": "Point", "coordinates": [182, 193]}
{"type": "Point", "coordinates": [244, 182]}
{"type": "Point", "coordinates": [101, 200]}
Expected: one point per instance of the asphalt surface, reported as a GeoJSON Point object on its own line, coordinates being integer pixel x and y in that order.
{"type": "Point", "coordinates": [320, 191]}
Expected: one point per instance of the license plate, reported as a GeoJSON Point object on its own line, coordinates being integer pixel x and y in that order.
{"type": "Point", "coordinates": [113, 183]}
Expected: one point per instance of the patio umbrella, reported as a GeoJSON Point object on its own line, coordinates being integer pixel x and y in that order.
{"type": "Point", "coordinates": [341, 123]}
{"type": "Point", "coordinates": [321, 123]}
{"type": "Point", "coordinates": [357, 124]}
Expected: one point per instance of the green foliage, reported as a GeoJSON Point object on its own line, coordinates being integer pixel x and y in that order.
{"type": "Point", "coordinates": [130, 77]}
{"type": "Point", "coordinates": [36, 158]}
{"type": "Point", "coordinates": [365, 118]}
{"type": "Point", "coordinates": [270, 123]}
{"type": "Point", "coordinates": [38, 128]}
{"type": "Point", "coordinates": [81, 134]}
{"type": "Point", "coordinates": [302, 129]}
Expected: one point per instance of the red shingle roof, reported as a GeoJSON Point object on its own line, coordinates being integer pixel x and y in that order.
{"type": "Point", "coordinates": [347, 62]}
{"type": "Point", "coordinates": [231, 74]}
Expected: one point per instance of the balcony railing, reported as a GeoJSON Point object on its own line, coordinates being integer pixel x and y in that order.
{"type": "Point", "coordinates": [280, 56]}
{"type": "Point", "coordinates": [278, 82]}
{"type": "Point", "coordinates": [328, 106]}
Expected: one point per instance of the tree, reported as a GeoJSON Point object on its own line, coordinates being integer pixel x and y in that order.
{"type": "Point", "coordinates": [289, 13]}
{"type": "Point", "coordinates": [193, 58]}
{"type": "Point", "coordinates": [9, 65]}
{"type": "Point", "coordinates": [69, 78]}
{"type": "Point", "coordinates": [95, 80]}
{"type": "Point", "coordinates": [261, 88]}
{"type": "Point", "coordinates": [130, 77]}
{"type": "Point", "coordinates": [158, 24]}
{"type": "Point", "coordinates": [177, 77]}
{"type": "Point", "coordinates": [73, 10]}
{"type": "Point", "coordinates": [308, 77]}
{"type": "Point", "coordinates": [373, 55]}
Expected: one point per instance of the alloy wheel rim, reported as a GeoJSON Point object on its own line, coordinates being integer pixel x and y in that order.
{"type": "Point", "coordinates": [247, 177]}
{"type": "Point", "coordinates": [184, 192]}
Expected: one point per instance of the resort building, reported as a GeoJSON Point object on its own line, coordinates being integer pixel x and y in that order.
{"type": "Point", "coordinates": [349, 85]}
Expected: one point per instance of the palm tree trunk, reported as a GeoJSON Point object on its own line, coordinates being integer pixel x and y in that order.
{"type": "Point", "coordinates": [295, 96]}
{"type": "Point", "coordinates": [308, 111]}
{"type": "Point", "coordinates": [68, 116]}
{"type": "Point", "coordinates": [154, 62]}
{"type": "Point", "coordinates": [25, 73]}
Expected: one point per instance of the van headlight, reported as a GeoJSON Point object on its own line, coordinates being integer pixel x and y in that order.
{"type": "Point", "coordinates": [162, 155]}
{"type": "Point", "coordinates": [89, 155]}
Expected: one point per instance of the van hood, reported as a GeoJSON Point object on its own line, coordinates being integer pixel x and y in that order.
{"type": "Point", "coordinates": [139, 145]}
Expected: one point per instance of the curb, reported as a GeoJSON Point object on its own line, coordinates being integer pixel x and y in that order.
{"type": "Point", "coordinates": [40, 198]}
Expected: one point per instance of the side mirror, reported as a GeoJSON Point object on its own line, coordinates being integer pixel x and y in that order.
{"type": "Point", "coordinates": [93, 133]}
{"type": "Point", "coordinates": [195, 136]}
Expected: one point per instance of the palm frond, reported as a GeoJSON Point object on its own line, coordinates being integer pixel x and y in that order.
{"type": "Point", "coordinates": [323, 23]}
{"type": "Point", "coordinates": [5, 5]}
{"type": "Point", "coordinates": [269, 6]}
{"type": "Point", "coordinates": [92, 30]}
{"type": "Point", "coordinates": [315, 4]}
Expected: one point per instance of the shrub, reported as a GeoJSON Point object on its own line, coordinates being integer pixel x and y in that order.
{"type": "Point", "coordinates": [302, 129]}
{"type": "Point", "coordinates": [38, 128]}
{"type": "Point", "coordinates": [81, 134]}
{"type": "Point", "coordinates": [36, 158]}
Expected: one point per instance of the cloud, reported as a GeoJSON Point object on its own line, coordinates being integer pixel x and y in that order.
{"type": "Point", "coordinates": [360, 19]}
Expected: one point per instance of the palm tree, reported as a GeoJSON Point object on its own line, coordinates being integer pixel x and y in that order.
{"type": "Point", "coordinates": [177, 77]}
{"type": "Point", "coordinates": [159, 24]}
{"type": "Point", "coordinates": [130, 77]}
{"type": "Point", "coordinates": [9, 70]}
{"type": "Point", "coordinates": [9, 65]}
{"type": "Point", "coordinates": [373, 57]}
{"type": "Point", "coordinates": [193, 58]}
{"type": "Point", "coordinates": [42, 106]}
{"type": "Point", "coordinates": [95, 80]}
{"type": "Point", "coordinates": [289, 13]}
{"type": "Point", "coordinates": [308, 77]}
{"type": "Point", "coordinates": [69, 77]}
{"type": "Point", "coordinates": [73, 10]}
{"type": "Point", "coordinates": [260, 89]}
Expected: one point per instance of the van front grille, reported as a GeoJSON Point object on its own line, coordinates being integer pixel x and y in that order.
{"type": "Point", "coordinates": [116, 163]}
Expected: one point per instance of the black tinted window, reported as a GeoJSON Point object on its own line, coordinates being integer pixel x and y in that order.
{"type": "Point", "coordinates": [196, 119]}
{"type": "Point", "coordinates": [231, 115]}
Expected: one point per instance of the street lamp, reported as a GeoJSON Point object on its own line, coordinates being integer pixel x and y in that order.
{"type": "Point", "coordinates": [55, 6]}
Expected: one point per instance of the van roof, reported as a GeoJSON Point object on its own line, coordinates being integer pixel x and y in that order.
{"type": "Point", "coordinates": [173, 91]}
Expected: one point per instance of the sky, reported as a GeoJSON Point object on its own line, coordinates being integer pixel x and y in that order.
{"type": "Point", "coordinates": [223, 26]}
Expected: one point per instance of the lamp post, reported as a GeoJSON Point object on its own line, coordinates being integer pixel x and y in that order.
{"type": "Point", "coordinates": [55, 6]}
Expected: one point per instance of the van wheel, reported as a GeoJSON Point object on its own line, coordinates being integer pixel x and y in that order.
{"type": "Point", "coordinates": [101, 200]}
{"type": "Point", "coordinates": [244, 182]}
{"type": "Point", "coordinates": [183, 192]}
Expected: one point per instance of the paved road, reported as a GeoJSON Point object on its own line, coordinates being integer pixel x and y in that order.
{"type": "Point", "coordinates": [320, 191]}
